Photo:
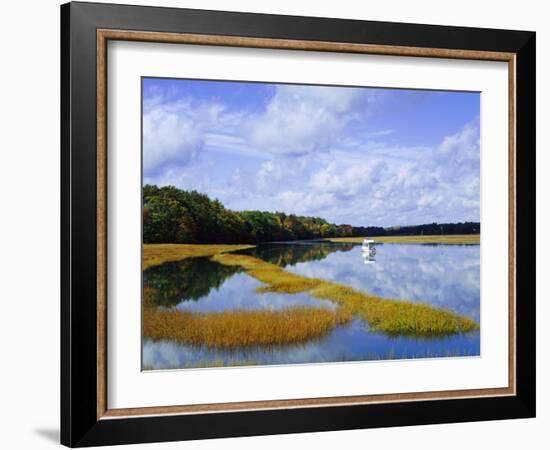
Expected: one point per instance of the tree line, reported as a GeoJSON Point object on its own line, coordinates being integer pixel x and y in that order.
{"type": "Point", "coordinates": [429, 229]}
{"type": "Point", "coordinates": [177, 216]}
{"type": "Point", "coordinates": [172, 215]}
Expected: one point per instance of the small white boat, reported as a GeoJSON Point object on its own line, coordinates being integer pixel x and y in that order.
{"type": "Point", "coordinates": [368, 248]}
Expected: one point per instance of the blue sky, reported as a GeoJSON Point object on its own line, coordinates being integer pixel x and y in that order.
{"type": "Point", "coordinates": [362, 156]}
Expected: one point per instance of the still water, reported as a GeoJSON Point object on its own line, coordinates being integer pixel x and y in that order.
{"type": "Point", "coordinates": [446, 276]}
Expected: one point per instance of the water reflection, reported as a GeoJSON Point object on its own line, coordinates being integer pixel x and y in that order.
{"type": "Point", "coordinates": [239, 292]}
{"type": "Point", "coordinates": [189, 279]}
{"type": "Point", "coordinates": [290, 253]}
{"type": "Point", "coordinates": [445, 276]}
{"type": "Point", "coordinates": [352, 342]}
{"type": "Point", "coordinates": [368, 258]}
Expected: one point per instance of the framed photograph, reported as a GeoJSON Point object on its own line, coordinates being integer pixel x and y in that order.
{"type": "Point", "coordinates": [277, 224]}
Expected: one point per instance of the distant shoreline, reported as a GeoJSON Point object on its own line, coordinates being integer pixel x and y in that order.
{"type": "Point", "coordinates": [156, 254]}
{"type": "Point", "coordinates": [434, 239]}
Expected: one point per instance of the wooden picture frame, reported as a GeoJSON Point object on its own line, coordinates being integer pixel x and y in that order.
{"type": "Point", "coordinates": [86, 418]}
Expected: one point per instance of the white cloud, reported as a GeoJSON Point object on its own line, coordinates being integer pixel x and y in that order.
{"type": "Point", "coordinates": [458, 154]}
{"type": "Point", "coordinates": [348, 180]}
{"type": "Point", "coordinates": [285, 171]}
{"type": "Point", "coordinates": [300, 202]}
{"type": "Point", "coordinates": [306, 153]}
{"type": "Point", "coordinates": [173, 132]}
{"type": "Point", "coordinates": [362, 187]}
{"type": "Point", "coordinates": [197, 179]}
{"type": "Point", "coordinates": [299, 120]}
{"type": "Point", "coordinates": [438, 184]}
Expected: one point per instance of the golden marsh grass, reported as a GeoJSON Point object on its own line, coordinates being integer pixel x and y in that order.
{"type": "Point", "coordinates": [242, 328]}
{"type": "Point", "coordinates": [436, 239]}
{"type": "Point", "coordinates": [155, 254]}
{"type": "Point", "coordinates": [275, 278]}
{"type": "Point", "coordinates": [396, 317]}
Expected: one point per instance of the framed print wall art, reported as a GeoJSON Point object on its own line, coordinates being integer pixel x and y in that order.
{"type": "Point", "coordinates": [276, 224]}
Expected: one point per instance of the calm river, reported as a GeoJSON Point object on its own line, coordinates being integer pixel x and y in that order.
{"type": "Point", "coordinates": [446, 276]}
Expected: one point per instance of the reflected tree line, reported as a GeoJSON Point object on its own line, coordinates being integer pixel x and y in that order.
{"type": "Point", "coordinates": [288, 254]}
{"type": "Point", "coordinates": [191, 279]}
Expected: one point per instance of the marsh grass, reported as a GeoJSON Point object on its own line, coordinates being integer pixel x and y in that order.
{"type": "Point", "coordinates": [394, 317]}
{"type": "Point", "coordinates": [275, 278]}
{"type": "Point", "coordinates": [435, 239]}
{"type": "Point", "coordinates": [245, 328]}
{"type": "Point", "coordinates": [155, 254]}
{"type": "Point", "coordinates": [242, 328]}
